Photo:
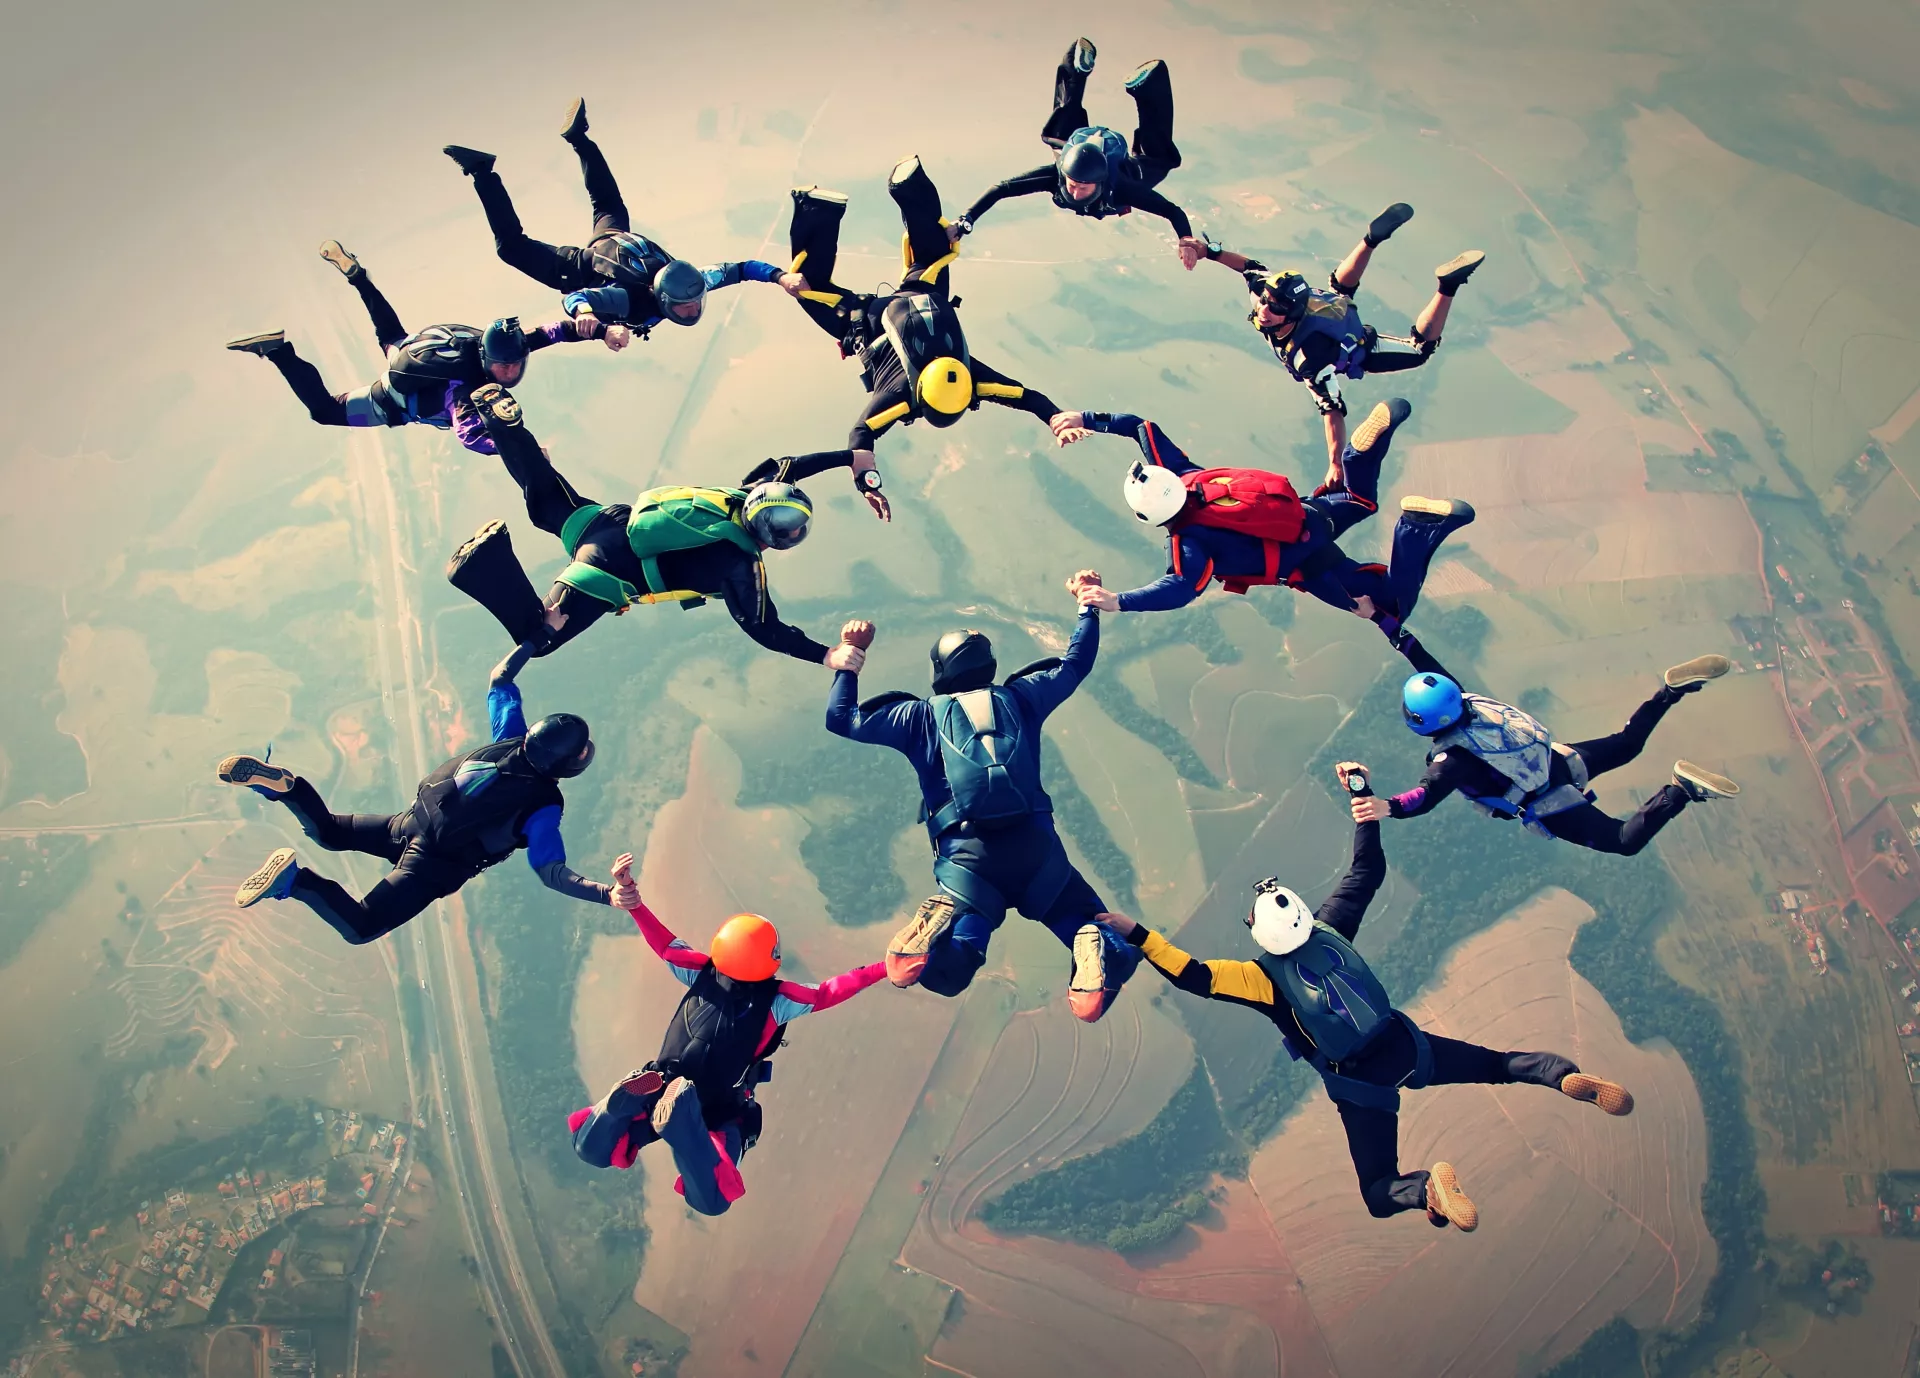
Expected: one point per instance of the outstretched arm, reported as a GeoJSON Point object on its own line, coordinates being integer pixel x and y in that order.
{"type": "Point", "coordinates": [1045, 690]}
{"type": "Point", "coordinates": [1240, 983]}
{"type": "Point", "coordinates": [745, 592]}
{"type": "Point", "coordinates": [1347, 905]}
{"type": "Point", "coordinates": [547, 855]}
{"type": "Point", "coordinates": [795, 999]}
{"type": "Point", "coordinates": [1142, 197]}
{"type": "Point", "coordinates": [684, 961]}
{"type": "Point", "coordinates": [991, 385]}
{"type": "Point", "coordinates": [1025, 184]}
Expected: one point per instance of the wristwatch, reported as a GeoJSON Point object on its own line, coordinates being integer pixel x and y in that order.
{"type": "Point", "coordinates": [1356, 780]}
{"type": "Point", "coordinates": [867, 480]}
{"type": "Point", "coordinates": [1214, 246]}
{"type": "Point", "coordinates": [964, 225]}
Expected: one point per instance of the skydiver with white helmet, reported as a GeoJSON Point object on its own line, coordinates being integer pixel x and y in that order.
{"type": "Point", "coordinates": [1333, 1013]}
{"type": "Point", "coordinates": [673, 544]}
{"type": "Point", "coordinates": [975, 746]}
{"type": "Point", "coordinates": [1317, 334]}
{"type": "Point", "coordinates": [471, 812]}
{"type": "Point", "coordinates": [1506, 763]}
{"type": "Point", "coordinates": [914, 360]}
{"type": "Point", "coordinates": [698, 1094]}
{"type": "Point", "coordinates": [430, 373]}
{"type": "Point", "coordinates": [1093, 172]}
{"type": "Point", "coordinates": [619, 277]}
{"type": "Point", "coordinates": [1248, 527]}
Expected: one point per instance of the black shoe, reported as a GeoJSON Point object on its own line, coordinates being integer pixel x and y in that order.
{"type": "Point", "coordinates": [1384, 224]}
{"type": "Point", "coordinates": [263, 345]}
{"type": "Point", "coordinates": [340, 258]}
{"type": "Point", "coordinates": [471, 160]}
{"type": "Point", "coordinates": [496, 405]}
{"type": "Point", "coordinates": [576, 122]}
{"type": "Point", "coordinates": [1457, 270]}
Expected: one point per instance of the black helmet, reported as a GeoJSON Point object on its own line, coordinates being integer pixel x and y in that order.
{"type": "Point", "coordinates": [778, 514]}
{"type": "Point", "coordinates": [961, 661]}
{"type": "Point", "coordinates": [1085, 163]}
{"type": "Point", "coordinates": [1284, 294]}
{"type": "Point", "coordinates": [559, 745]}
{"type": "Point", "coordinates": [679, 284]}
{"type": "Point", "coordinates": [503, 342]}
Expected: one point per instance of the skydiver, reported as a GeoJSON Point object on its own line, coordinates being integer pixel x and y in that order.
{"type": "Point", "coordinates": [472, 811]}
{"type": "Point", "coordinates": [685, 545]}
{"type": "Point", "coordinates": [1318, 334]}
{"type": "Point", "coordinates": [429, 373]}
{"type": "Point", "coordinates": [1507, 764]}
{"type": "Point", "coordinates": [914, 361]}
{"type": "Point", "coordinates": [976, 748]}
{"type": "Point", "coordinates": [1333, 1013]}
{"type": "Point", "coordinates": [619, 277]}
{"type": "Point", "coordinates": [1092, 173]}
{"type": "Point", "coordinates": [698, 1093]}
{"type": "Point", "coordinates": [1248, 527]}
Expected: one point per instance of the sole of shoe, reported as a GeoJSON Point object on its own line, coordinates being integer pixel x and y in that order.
{"type": "Point", "coordinates": [831, 198]}
{"type": "Point", "coordinates": [475, 541]}
{"type": "Point", "coordinates": [1697, 671]}
{"type": "Point", "coordinates": [1382, 226]}
{"type": "Point", "coordinates": [1082, 55]}
{"type": "Point", "coordinates": [501, 404]}
{"type": "Point", "coordinates": [254, 773]}
{"type": "Point", "coordinates": [643, 1083]}
{"type": "Point", "coordinates": [1087, 992]}
{"type": "Point", "coordinates": [1610, 1096]}
{"type": "Point", "coordinates": [1461, 266]}
{"type": "Point", "coordinates": [907, 953]}
{"type": "Point", "coordinates": [1380, 421]}
{"type": "Point", "coordinates": [333, 252]}
{"type": "Point", "coordinates": [1446, 509]}
{"type": "Point", "coordinates": [1142, 72]}
{"type": "Point", "coordinates": [255, 887]}
{"type": "Point", "coordinates": [258, 344]}
{"type": "Point", "coordinates": [576, 124]}
{"type": "Point", "coordinates": [1451, 1200]}
{"type": "Point", "coordinates": [1719, 786]}
{"type": "Point", "coordinates": [669, 1103]}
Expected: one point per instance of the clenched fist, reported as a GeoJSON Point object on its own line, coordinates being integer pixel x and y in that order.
{"type": "Point", "coordinates": [857, 633]}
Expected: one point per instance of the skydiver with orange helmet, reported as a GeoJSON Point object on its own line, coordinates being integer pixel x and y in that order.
{"type": "Point", "coordinates": [698, 1093]}
{"type": "Point", "coordinates": [1318, 335]}
{"type": "Point", "coordinates": [914, 360]}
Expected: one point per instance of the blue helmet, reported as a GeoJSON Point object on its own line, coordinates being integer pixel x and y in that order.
{"type": "Point", "coordinates": [1431, 704]}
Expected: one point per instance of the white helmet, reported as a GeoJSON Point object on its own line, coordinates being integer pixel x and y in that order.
{"type": "Point", "coordinates": [1155, 494]}
{"type": "Point", "coordinates": [1280, 919]}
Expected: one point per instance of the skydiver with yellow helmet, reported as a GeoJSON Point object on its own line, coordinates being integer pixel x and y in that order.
{"type": "Point", "coordinates": [698, 1094]}
{"type": "Point", "coordinates": [1317, 334]}
{"type": "Point", "coordinates": [914, 360]}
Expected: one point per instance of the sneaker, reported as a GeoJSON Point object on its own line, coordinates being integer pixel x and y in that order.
{"type": "Point", "coordinates": [907, 953]}
{"type": "Point", "coordinates": [576, 126]}
{"type": "Point", "coordinates": [1142, 72]}
{"type": "Point", "coordinates": [1454, 513]}
{"type": "Point", "coordinates": [495, 403]}
{"type": "Point", "coordinates": [680, 1092]}
{"type": "Point", "coordinates": [802, 195]}
{"type": "Point", "coordinates": [1380, 229]}
{"type": "Point", "coordinates": [273, 881]}
{"type": "Point", "coordinates": [1081, 55]}
{"type": "Point", "coordinates": [1610, 1096]}
{"type": "Point", "coordinates": [256, 775]}
{"type": "Point", "coordinates": [1458, 269]}
{"type": "Point", "coordinates": [1381, 423]}
{"type": "Point", "coordinates": [1087, 993]}
{"type": "Point", "coordinates": [263, 345]}
{"type": "Point", "coordinates": [471, 160]}
{"type": "Point", "coordinates": [1702, 784]}
{"type": "Point", "coordinates": [1689, 675]}
{"type": "Point", "coordinates": [637, 1084]}
{"type": "Point", "coordinates": [340, 258]}
{"type": "Point", "coordinates": [1447, 1203]}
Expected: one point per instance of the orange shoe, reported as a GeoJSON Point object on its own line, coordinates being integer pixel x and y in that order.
{"type": "Point", "coordinates": [907, 953]}
{"type": "Point", "coordinates": [1087, 993]}
{"type": "Point", "coordinates": [1447, 1203]}
{"type": "Point", "coordinates": [1610, 1096]}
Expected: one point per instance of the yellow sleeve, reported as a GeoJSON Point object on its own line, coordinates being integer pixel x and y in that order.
{"type": "Point", "coordinates": [1222, 980]}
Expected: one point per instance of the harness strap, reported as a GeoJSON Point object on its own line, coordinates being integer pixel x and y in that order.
{"type": "Point", "coordinates": [659, 593]}
{"type": "Point", "coordinates": [1367, 1094]}
{"type": "Point", "coordinates": [576, 526]}
{"type": "Point", "coordinates": [610, 589]}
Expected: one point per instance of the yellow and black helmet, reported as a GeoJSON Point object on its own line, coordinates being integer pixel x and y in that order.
{"type": "Point", "coordinates": [945, 389]}
{"type": "Point", "coordinates": [778, 514]}
{"type": "Point", "coordinates": [1284, 293]}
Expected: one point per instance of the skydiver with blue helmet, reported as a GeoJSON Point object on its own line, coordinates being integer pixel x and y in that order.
{"type": "Point", "coordinates": [1506, 763]}
{"type": "Point", "coordinates": [1248, 527]}
{"type": "Point", "coordinates": [1093, 172]}
{"type": "Point", "coordinates": [470, 812]}
{"type": "Point", "coordinates": [619, 277]}
{"type": "Point", "coordinates": [1333, 1013]}
{"type": "Point", "coordinates": [975, 746]}
{"type": "Point", "coordinates": [429, 373]}
{"type": "Point", "coordinates": [1317, 334]}
{"type": "Point", "coordinates": [914, 360]}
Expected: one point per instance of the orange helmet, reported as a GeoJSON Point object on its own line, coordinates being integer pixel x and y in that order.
{"type": "Point", "coordinates": [747, 948]}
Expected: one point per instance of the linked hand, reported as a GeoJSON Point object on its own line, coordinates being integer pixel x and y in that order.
{"type": "Point", "coordinates": [792, 284]}
{"type": "Point", "coordinates": [618, 337]}
{"type": "Point", "coordinates": [858, 632]}
{"type": "Point", "coordinates": [1363, 607]}
{"type": "Point", "coordinates": [1370, 809]}
{"type": "Point", "coordinates": [1070, 436]}
{"type": "Point", "coordinates": [586, 321]}
{"type": "Point", "coordinates": [846, 657]}
{"type": "Point", "coordinates": [1067, 421]}
{"type": "Point", "coordinates": [1192, 250]}
{"type": "Point", "coordinates": [1119, 923]}
{"type": "Point", "coordinates": [626, 891]}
